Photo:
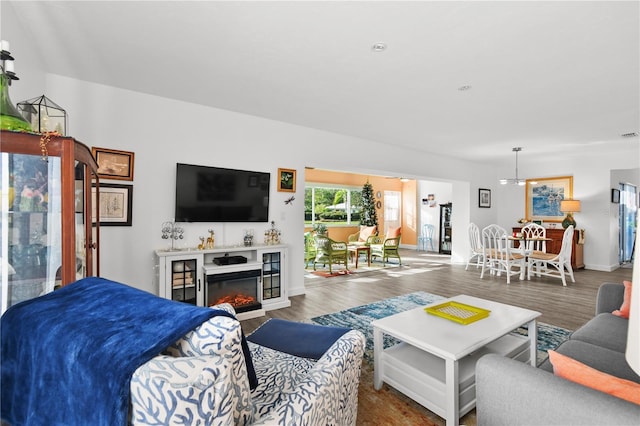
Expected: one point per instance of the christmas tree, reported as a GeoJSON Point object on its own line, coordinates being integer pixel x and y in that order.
{"type": "Point", "coordinates": [369, 216]}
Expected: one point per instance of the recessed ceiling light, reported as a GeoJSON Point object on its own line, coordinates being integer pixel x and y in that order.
{"type": "Point", "coordinates": [379, 47]}
{"type": "Point", "coordinates": [629, 135]}
{"type": "Point", "coordinates": [464, 88]}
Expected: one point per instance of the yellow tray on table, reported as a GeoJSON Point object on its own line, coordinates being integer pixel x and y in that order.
{"type": "Point", "coordinates": [458, 312]}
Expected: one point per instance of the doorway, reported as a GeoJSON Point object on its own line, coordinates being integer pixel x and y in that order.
{"type": "Point", "coordinates": [627, 222]}
{"type": "Point", "coordinates": [391, 210]}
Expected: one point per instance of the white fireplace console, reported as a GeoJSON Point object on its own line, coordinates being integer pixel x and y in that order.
{"type": "Point", "coordinates": [192, 276]}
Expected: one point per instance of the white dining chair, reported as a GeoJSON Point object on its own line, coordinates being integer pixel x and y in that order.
{"type": "Point", "coordinates": [475, 242]}
{"type": "Point", "coordinates": [554, 265]}
{"type": "Point", "coordinates": [499, 256]}
{"type": "Point", "coordinates": [534, 236]}
{"type": "Point", "coordinates": [534, 241]}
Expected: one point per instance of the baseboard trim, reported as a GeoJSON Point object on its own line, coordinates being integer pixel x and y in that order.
{"type": "Point", "coordinates": [296, 291]}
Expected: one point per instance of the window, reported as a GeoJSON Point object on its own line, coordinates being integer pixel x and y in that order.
{"type": "Point", "coordinates": [332, 205]}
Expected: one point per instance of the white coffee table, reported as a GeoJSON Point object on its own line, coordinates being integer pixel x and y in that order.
{"type": "Point", "coordinates": [435, 362]}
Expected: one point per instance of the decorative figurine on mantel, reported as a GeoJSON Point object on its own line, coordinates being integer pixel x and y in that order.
{"type": "Point", "coordinates": [201, 245]}
{"type": "Point", "coordinates": [248, 237]}
{"type": "Point", "coordinates": [272, 236]}
{"type": "Point", "coordinates": [211, 239]}
{"type": "Point", "coordinates": [170, 230]}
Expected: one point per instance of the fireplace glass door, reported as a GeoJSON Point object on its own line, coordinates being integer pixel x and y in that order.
{"type": "Point", "coordinates": [240, 289]}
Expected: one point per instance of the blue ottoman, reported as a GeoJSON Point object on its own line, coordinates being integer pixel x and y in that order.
{"type": "Point", "coordinates": [296, 338]}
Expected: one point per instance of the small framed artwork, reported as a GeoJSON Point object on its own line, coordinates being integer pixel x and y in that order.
{"type": "Point", "coordinates": [116, 204]}
{"type": "Point", "coordinates": [286, 180]}
{"type": "Point", "coordinates": [114, 164]}
{"type": "Point", "coordinates": [484, 198]}
{"type": "Point", "coordinates": [615, 196]}
{"type": "Point", "coordinates": [538, 222]}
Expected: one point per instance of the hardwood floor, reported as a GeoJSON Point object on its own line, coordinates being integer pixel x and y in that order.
{"type": "Point", "coordinates": [568, 307]}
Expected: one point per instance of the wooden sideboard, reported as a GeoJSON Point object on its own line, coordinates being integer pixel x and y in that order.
{"type": "Point", "coordinates": [553, 246]}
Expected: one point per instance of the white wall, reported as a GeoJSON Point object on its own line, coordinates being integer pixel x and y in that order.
{"type": "Point", "coordinates": [163, 132]}
{"type": "Point", "coordinates": [592, 182]}
{"type": "Point", "coordinates": [431, 215]}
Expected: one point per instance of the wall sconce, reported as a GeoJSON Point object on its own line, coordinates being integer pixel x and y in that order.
{"type": "Point", "coordinates": [44, 115]}
{"type": "Point", "coordinates": [569, 207]}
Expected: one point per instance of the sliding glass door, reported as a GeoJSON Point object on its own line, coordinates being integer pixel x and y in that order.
{"type": "Point", "coordinates": [628, 222]}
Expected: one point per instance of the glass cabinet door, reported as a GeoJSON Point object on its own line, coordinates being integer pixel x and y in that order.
{"type": "Point", "coordinates": [184, 280]}
{"type": "Point", "coordinates": [80, 222]}
{"type": "Point", "coordinates": [271, 283]}
{"type": "Point", "coordinates": [31, 245]}
{"type": "Point", "coordinates": [47, 238]}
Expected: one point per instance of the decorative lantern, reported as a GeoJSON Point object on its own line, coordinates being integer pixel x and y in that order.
{"type": "Point", "coordinates": [44, 115]}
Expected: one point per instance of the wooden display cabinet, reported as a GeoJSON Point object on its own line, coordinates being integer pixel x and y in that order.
{"type": "Point", "coordinates": [47, 235]}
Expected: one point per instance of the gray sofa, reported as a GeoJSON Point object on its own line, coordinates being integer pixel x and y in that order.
{"type": "Point", "coordinates": [511, 393]}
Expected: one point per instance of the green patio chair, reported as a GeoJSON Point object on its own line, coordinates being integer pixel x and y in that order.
{"type": "Point", "coordinates": [329, 252]}
{"type": "Point", "coordinates": [309, 248]}
{"type": "Point", "coordinates": [387, 248]}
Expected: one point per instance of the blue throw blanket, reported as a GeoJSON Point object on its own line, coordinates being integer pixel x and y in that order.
{"type": "Point", "coordinates": [67, 357]}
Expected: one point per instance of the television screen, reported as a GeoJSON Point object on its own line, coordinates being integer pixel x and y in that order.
{"type": "Point", "coordinates": [214, 194]}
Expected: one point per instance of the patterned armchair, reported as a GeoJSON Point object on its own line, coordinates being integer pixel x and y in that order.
{"type": "Point", "coordinates": [201, 376]}
{"type": "Point", "coordinates": [329, 252]}
{"type": "Point", "coordinates": [202, 379]}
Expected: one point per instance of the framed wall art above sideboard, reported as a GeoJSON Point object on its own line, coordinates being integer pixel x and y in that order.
{"type": "Point", "coordinates": [543, 197]}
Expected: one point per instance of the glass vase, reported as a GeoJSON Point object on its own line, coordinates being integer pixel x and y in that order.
{"type": "Point", "coordinates": [10, 117]}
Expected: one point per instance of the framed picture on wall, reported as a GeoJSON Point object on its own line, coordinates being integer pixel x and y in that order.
{"type": "Point", "coordinates": [113, 164]}
{"type": "Point", "coordinates": [116, 204]}
{"type": "Point", "coordinates": [615, 196]}
{"type": "Point", "coordinates": [543, 196]}
{"type": "Point", "coordinates": [484, 198]}
{"type": "Point", "coordinates": [286, 180]}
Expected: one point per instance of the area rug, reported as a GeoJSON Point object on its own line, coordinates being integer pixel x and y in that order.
{"type": "Point", "coordinates": [360, 318]}
{"type": "Point", "coordinates": [339, 273]}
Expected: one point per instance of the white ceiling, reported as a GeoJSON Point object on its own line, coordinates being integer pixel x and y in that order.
{"type": "Point", "coordinates": [552, 77]}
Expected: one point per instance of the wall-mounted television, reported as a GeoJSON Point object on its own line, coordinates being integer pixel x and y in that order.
{"type": "Point", "coordinates": [214, 194]}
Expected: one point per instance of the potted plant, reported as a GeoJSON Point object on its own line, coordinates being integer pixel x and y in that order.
{"type": "Point", "coordinates": [320, 229]}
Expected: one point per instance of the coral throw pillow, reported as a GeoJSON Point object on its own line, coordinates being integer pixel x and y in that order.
{"type": "Point", "coordinates": [575, 371]}
{"type": "Point", "coordinates": [366, 232]}
{"type": "Point", "coordinates": [626, 302]}
{"type": "Point", "coordinates": [393, 232]}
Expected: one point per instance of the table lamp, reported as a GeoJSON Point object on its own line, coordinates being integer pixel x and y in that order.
{"type": "Point", "coordinates": [569, 207]}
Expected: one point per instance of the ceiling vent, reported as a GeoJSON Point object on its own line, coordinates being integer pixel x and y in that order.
{"type": "Point", "coordinates": [629, 135]}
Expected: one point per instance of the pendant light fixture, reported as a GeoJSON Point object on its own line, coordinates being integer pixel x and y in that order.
{"type": "Point", "coordinates": [516, 180]}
